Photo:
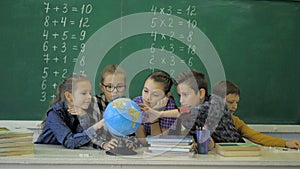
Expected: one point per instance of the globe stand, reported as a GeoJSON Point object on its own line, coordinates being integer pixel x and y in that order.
{"type": "Point", "coordinates": [121, 148]}
{"type": "Point", "coordinates": [122, 118]}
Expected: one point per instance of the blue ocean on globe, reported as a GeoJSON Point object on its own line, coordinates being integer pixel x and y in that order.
{"type": "Point", "coordinates": [122, 117]}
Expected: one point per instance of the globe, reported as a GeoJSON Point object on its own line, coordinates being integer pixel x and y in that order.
{"type": "Point", "coordinates": [122, 117]}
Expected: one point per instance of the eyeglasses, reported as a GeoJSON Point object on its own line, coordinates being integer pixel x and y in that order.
{"type": "Point", "coordinates": [111, 88]}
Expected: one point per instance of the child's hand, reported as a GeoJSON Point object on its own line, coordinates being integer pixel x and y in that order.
{"type": "Point", "coordinates": [113, 143]}
{"type": "Point", "coordinates": [293, 144]}
{"type": "Point", "coordinates": [211, 144]}
{"type": "Point", "coordinates": [161, 103]}
{"type": "Point", "coordinates": [153, 115]}
{"type": "Point", "coordinates": [130, 145]}
{"type": "Point", "coordinates": [184, 112]}
{"type": "Point", "coordinates": [72, 111]}
{"type": "Point", "coordinates": [143, 107]}
{"type": "Point", "coordinates": [184, 109]}
{"type": "Point", "coordinates": [76, 111]}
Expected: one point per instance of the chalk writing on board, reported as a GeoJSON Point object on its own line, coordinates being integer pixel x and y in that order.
{"type": "Point", "coordinates": [166, 43]}
{"type": "Point", "coordinates": [64, 35]}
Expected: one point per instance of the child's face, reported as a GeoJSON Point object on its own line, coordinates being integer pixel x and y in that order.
{"type": "Point", "coordinates": [113, 86]}
{"type": "Point", "coordinates": [232, 101]}
{"type": "Point", "coordinates": [188, 97]}
{"type": "Point", "coordinates": [82, 95]}
{"type": "Point", "coordinates": [152, 92]}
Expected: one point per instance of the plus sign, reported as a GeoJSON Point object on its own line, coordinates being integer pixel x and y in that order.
{"type": "Point", "coordinates": [54, 85]}
{"type": "Point", "coordinates": [53, 96]}
{"type": "Point", "coordinates": [54, 47]}
{"type": "Point", "coordinates": [56, 8]}
{"type": "Point", "coordinates": [55, 35]}
{"type": "Point", "coordinates": [55, 59]}
{"type": "Point", "coordinates": [55, 73]}
{"type": "Point", "coordinates": [55, 22]}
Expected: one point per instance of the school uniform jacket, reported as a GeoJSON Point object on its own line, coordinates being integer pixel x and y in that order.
{"type": "Point", "coordinates": [255, 136]}
{"type": "Point", "coordinates": [62, 128]}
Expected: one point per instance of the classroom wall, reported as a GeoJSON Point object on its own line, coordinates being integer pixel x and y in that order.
{"type": "Point", "coordinates": [253, 43]}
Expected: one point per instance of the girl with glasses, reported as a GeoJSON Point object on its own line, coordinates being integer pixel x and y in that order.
{"type": "Point", "coordinates": [113, 85]}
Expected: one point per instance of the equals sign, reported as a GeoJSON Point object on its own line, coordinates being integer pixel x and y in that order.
{"type": "Point", "coordinates": [180, 23]}
{"type": "Point", "coordinates": [179, 11]}
{"type": "Point", "coordinates": [75, 60]}
{"type": "Point", "coordinates": [74, 9]}
{"type": "Point", "coordinates": [75, 47]}
{"type": "Point", "coordinates": [181, 36]}
{"type": "Point", "coordinates": [72, 22]}
{"type": "Point", "coordinates": [181, 49]}
{"type": "Point", "coordinates": [182, 61]}
{"type": "Point", "coordinates": [73, 37]}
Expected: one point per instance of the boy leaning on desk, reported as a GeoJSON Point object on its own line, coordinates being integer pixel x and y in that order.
{"type": "Point", "coordinates": [230, 92]}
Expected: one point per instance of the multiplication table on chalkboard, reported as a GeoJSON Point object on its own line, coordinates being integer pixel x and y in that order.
{"type": "Point", "coordinates": [167, 42]}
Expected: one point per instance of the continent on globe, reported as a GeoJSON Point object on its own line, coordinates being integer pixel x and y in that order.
{"type": "Point", "coordinates": [119, 104]}
{"type": "Point", "coordinates": [135, 115]}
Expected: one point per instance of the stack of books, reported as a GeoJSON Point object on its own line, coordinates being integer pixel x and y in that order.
{"type": "Point", "coordinates": [16, 141]}
{"type": "Point", "coordinates": [170, 145]}
{"type": "Point", "coordinates": [238, 149]}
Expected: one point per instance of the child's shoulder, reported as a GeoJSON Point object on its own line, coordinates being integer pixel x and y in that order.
{"type": "Point", "coordinates": [138, 99]}
{"type": "Point", "coordinates": [171, 104]}
{"type": "Point", "coordinates": [216, 99]}
{"type": "Point", "coordinates": [57, 108]}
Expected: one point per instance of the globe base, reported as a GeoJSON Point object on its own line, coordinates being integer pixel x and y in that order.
{"type": "Point", "coordinates": [121, 151]}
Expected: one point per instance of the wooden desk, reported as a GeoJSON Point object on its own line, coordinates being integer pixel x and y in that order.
{"type": "Point", "coordinates": [50, 156]}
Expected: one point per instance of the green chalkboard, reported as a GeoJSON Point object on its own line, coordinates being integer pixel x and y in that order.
{"type": "Point", "coordinates": [253, 43]}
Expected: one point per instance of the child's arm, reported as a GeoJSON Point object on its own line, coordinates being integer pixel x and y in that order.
{"type": "Point", "coordinates": [170, 113]}
{"type": "Point", "coordinates": [64, 134]}
{"type": "Point", "coordinates": [211, 144]}
{"type": "Point", "coordinates": [141, 135]}
{"type": "Point", "coordinates": [98, 125]}
{"type": "Point", "coordinates": [155, 114]}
